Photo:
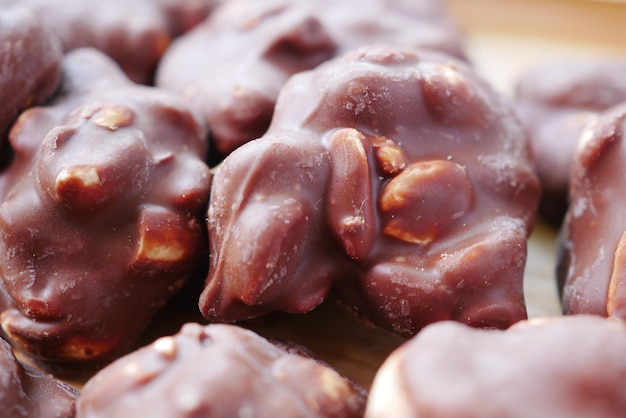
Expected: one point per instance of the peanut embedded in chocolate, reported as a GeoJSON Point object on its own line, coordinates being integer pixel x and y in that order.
{"type": "Point", "coordinates": [397, 179]}
{"type": "Point", "coordinates": [218, 371]}
{"type": "Point", "coordinates": [101, 220]}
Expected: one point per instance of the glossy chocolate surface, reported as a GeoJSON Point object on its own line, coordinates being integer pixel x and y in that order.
{"type": "Point", "coordinates": [591, 266]}
{"type": "Point", "coordinates": [233, 65]}
{"type": "Point", "coordinates": [558, 367]}
{"type": "Point", "coordinates": [29, 393]}
{"type": "Point", "coordinates": [398, 178]}
{"type": "Point", "coordinates": [30, 65]}
{"type": "Point", "coordinates": [218, 371]}
{"type": "Point", "coordinates": [556, 100]}
{"type": "Point", "coordinates": [102, 214]}
{"type": "Point", "coordinates": [183, 15]}
{"type": "Point", "coordinates": [135, 33]}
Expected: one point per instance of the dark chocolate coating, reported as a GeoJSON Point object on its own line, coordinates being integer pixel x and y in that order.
{"type": "Point", "coordinates": [102, 215]}
{"type": "Point", "coordinates": [30, 64]}
{"type": "Point", "coordinates": [218, 371]}
{"type": "Point", "coordinates": [399, 178]}
{"type": "Point", "coordinates": [542, 368]}
{"type": "Point", "coordinates": [591, 264]}
{"type": "Point", "coordinates": [233, 65]}
{"type": "Point", "coordinates": [28, 392]}
{"type": "Point", "coordinates": [556, 100]}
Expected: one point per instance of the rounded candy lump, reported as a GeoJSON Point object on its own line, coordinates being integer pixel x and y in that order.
{"type": "Point", "coordinates": [396, 179]}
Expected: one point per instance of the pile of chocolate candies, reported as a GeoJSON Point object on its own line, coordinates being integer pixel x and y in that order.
{"type": "Point", "coordinates": [186, 167]}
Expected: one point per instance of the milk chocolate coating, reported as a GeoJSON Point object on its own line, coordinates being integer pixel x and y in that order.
{"type": "Point", "coordinates": [30, 65]}
{"type": "Point", "coordinates": [102, 215]}
{"type": "Point", "coordinates": [233, 65]}
{"type": "Point", "coordinates": [397, 177]}
{"type": "Point", "coordinates": [135, 33]}
{"type": "Point", "coordinates": [183, 15]}
{"type": "Point", "coordinates": [218, 371]}
{"type": "Point", "coordinates": [556, 100]}
{"type": "Point", "coordinates": [30, 393]}
{"type": "Point", "coordinates": [591, 264]}
{"type": "Point", "coordinates": [557, 367]}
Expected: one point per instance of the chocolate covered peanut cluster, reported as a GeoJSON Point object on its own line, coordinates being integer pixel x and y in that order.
{"type": "Point", "coordinates": [30, 65]}
{"type": "Point", "coordinates": [102, 214]}
{"type": "Point", "coordinates": [218, 371]}
{"type": "Point", "coordinates": [569, 366]}
{"type": "Point", "coordinates": [134, 33]}
{"type": "Point", "coordinates": [556, 101]}
{"type": "Point", "coordinates": [591, 259]}
{"type": "Point", "coordinates": [234, 64]}
{"type": "Point", "coordinates": [397, 179]}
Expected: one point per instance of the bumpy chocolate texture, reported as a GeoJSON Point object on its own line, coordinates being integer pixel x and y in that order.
{"type": "Point", "coordinates": [135, 33]}
{"type": "Point", "coordinates": [233, 65]}
{"type": "Point", "coordinates": [400, 178]}
{"type": "Point", "coordinates": [183, 15]}
{"type": "Point", "coordinates": [571, 366]}
{"type": "Point", "coordinates": [30, 65]}
{"type": "Point", "coordinates": [556, 100]}
{"type": "Point", "coordinates": [218, 371]}
{"type": "Point", "coordinates": [102, 215]}
{"type": "Point", "coordinates": [29, 393]}
{"type": "Point", "coordinates": [592, 264]}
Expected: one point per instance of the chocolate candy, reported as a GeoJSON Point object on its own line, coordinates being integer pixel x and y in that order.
{"type": "Point", "coordinates": [556, 100]}
{"type": "Point", "coordinates": [134, 33]}
{"type": "Point", "coordinates": [233, 65]}
{"type": "Point", "coordinates": [591, 265]}
{"type": "Point", "coordinates": [102, 210]}
{"type": "Point", "coordinates": [218, 371]}
{"type": "Point", "coordinates": [183, 15]}
{"type": "Point", "coordinates": [107, 26]}
{"type": "Point", "coordinates": [558, 367]}
{"type": "Point", "coordinates": [28, 392]}
{"type": "Point", "coordinates": [30, 64]}
{"type": "Point", "coordinates": [398, 178]}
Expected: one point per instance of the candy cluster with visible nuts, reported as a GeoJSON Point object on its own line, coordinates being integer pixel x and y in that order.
{"type": "Point", "coordinates": [396, 178]}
